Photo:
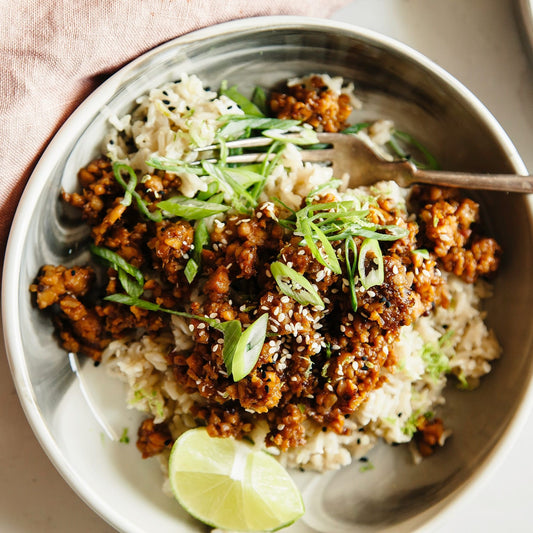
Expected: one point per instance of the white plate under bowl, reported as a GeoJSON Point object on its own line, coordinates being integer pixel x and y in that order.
{"type": "Point", "coordinates": [393, 82]}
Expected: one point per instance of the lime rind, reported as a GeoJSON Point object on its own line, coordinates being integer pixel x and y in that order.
{"type": "Point", "coordinates": [228, 485]}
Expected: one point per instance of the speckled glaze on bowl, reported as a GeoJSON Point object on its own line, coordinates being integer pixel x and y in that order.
{"type": "Point", "coordinates": [393, 82]}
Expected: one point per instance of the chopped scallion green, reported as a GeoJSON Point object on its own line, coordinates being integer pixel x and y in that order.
{"type": "Point", "coordinates": [350, 253]}
{"type": "Point", "coordinates": [295, 285]}
{"type": "Point", "coordinates": [248, 348]}
{"type": "Point", "coordinates": [370, 264]}
{"type": "Point", "coordinates": [190, 208]}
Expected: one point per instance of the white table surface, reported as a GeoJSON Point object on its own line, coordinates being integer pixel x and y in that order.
{"type": "Point", "coordinates": [477, 41]}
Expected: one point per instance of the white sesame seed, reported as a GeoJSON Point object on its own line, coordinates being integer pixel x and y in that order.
{"type": "Point", "coordinates": [371, 294]}
{"type": "Point", "coordinates": [285, 299]}
{"type": "Point", "coordinates": [191, 327]}
{"type": "Point", "coordinates": [350, 317]}
{"type": "Point", "coordinates": [274, 328]}
{"type": "Point", "coordinates": [342, 328]}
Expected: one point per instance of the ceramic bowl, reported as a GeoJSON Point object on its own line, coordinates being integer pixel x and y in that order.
{"type": "Point", "coordinates": [393, 82]}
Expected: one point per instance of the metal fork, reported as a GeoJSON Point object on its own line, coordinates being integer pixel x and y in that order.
{"type": "Point", "coordinates": [351, 155]}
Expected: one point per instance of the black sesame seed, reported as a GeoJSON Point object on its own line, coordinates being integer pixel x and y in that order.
{"type": "Point", "coordinates": [166, 102]}
{"type": "Point", "coordinates": [267, 388]}
{"type": "Point", "coordinates": [97, 363]}
{"type": "Point", "coordinates": [358, 441]}
{"type": "Point", "coordinates": [72, 272]}
{"type": "Point", "coordinates": [171, 108]}
{"type": "Point", "coordinates": [363, 459]}
{"type": "Point", "coordinates": [324, 429]}
{"type": "Point", "coordinates": [168, 442]}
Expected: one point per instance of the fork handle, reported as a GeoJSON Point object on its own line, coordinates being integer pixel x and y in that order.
{"type": "Point", "coordinates": [464, 180]}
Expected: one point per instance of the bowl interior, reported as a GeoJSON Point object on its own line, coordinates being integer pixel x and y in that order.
{"type": "Point", "coordinates": [395, 495]}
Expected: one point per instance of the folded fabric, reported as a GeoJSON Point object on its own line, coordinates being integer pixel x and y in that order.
{"type": "Point", "coordinates": [55, 52]}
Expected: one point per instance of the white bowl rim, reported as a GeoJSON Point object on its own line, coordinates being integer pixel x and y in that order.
{"type": "Point", "coordinates": [39, 176]}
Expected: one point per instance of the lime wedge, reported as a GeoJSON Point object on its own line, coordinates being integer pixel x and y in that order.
{"type": "Point", "coordinates": [227, 484]}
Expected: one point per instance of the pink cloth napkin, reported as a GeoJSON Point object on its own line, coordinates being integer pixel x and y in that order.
{"type": "Point", "coordinates": [55, 52]}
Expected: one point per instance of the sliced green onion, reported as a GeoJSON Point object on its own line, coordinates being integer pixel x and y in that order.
{"type": "Point", "coordinates": [141, 204]}
{"type": "Point", "coordinates": [117, 260]}
{"type": "Point", "coordinates": [259, 100]}
{"type": "Point", "coordinates": [370, 264]}
{"type": "Point", "coordinates": [294, 285]}
{"type": "Point", "coordinates": [332, 262]}
{"type": "Point", "coordinates": [356, 128]}
{"type": "Point", "coordinates": [191, 269]}
{"type": "Point", "coordinates": [130, 186]}
{"type": "Point", "coordinates": [235, 126]}
{"type": "Point", "coordinates": [430, 160]}
{"type": "Point", "coordinates": [331, 184]}
{"type": "Point", "coordinates": [131, 301]}
{"type": "Point", "coordinates": [231, 330]}
{"type": "Point", "coordinates": [207, 195]}
{"type": "Point", "coordinates": [130, 285]}
{"type": "Point", "coordinates": [302, 136]}
{"type": "Point", "coordinates": [190, 208]}
{"type": "Point", "coordinates": [350, 253]}
{"type": "Point", "coordinates": [223, 151]}
{"type": "Point", "coordinates": [246, 105]}
{"type": "Point", "coordinates": [173, 165]}
{"type": "Point", "coordinates": [422, 252]}
{"type": "Point", "coordinates": [130, 277]}
{"type": "Point", "coordinates": [240, 198]}
{"type": "Point", "coordinates": [249, 348]}
{"type": "Point", "coordinates": [201, 238]}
